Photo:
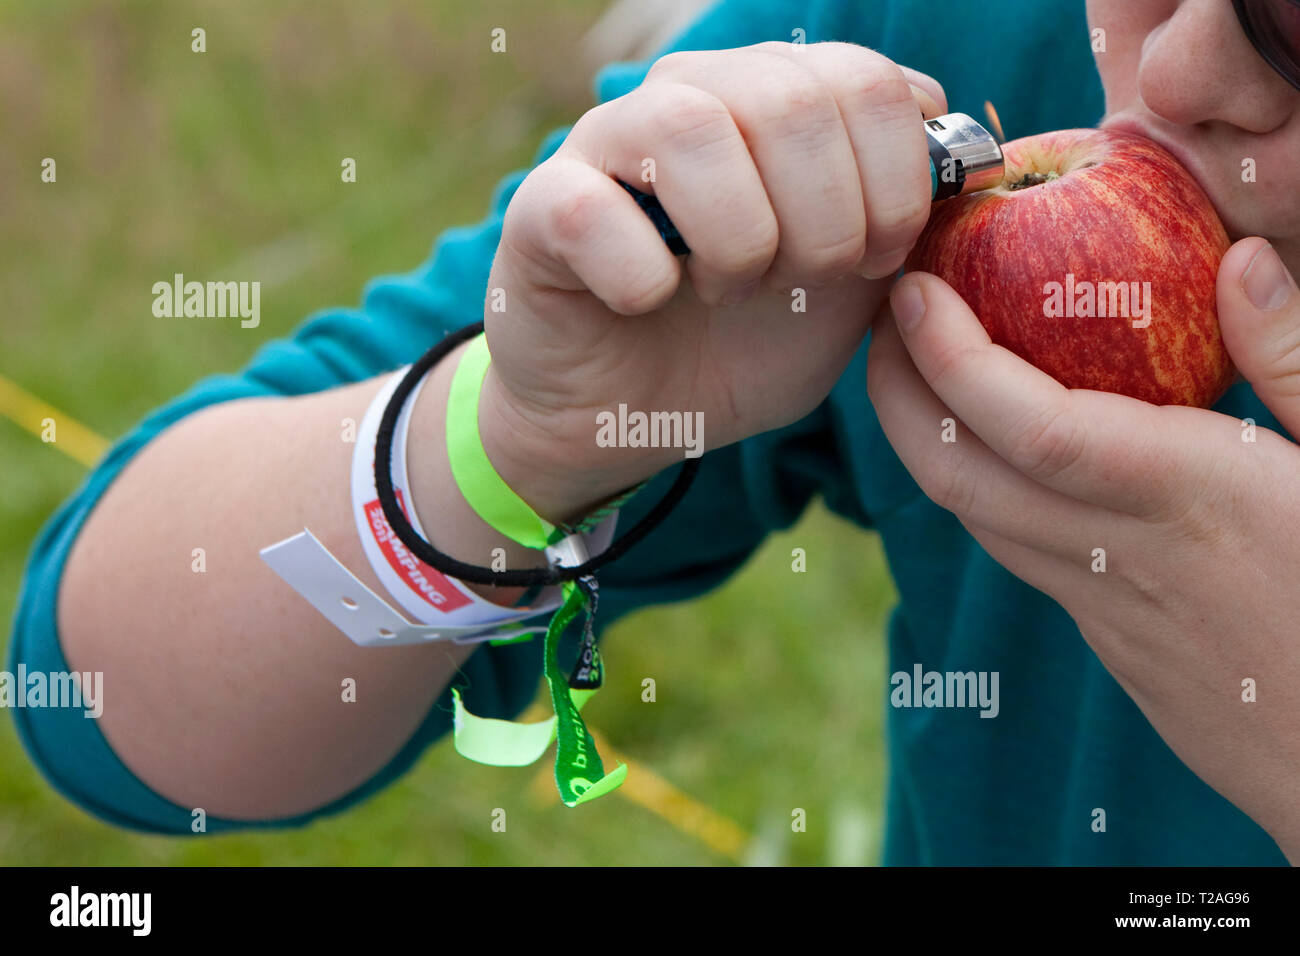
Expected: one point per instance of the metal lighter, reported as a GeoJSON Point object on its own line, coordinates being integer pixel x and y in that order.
{"type": "Point", "coordinates": [964, 158]}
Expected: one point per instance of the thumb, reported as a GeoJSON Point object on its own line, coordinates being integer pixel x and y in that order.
{"type": "Point", "coordinates": [1259, 313]}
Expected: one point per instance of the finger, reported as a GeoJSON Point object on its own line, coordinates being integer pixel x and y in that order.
{"type": "Point", "coordinates": [577, 229]}
{"type": "Point", "coordinates": [958, 472]}
{"type": "Point", "coordinates": [929, 92]}
{"type": "Point", "coordinates": [1106, 449]}
{"type": "Point", "coordinates": [681, 144]}
{"type": "Point", "coordinates": [879, 107]}
{"type": "Point", "coordinates": [1259, 313]}
{"type": "Point", "coordinates": [796, 136]}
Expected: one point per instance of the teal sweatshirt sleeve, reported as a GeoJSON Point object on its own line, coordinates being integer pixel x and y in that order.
{"type": "Point", "coordinates": [741, 493]}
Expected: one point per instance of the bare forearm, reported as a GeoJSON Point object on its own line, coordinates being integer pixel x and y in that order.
{"type": "Point", "coordinates": [223, 688]}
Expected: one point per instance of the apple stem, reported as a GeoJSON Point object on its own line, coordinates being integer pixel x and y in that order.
{"type": "Point", "coordinates": [1034, 179]}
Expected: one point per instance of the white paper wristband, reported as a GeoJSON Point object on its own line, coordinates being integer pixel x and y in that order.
{"type": "Point", "coordinates": [441, 607]}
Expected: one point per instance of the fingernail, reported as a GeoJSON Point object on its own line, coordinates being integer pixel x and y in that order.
{"type": "Point", "coordinates": [922, 98]}
{"type": "Point", "coordinates": [1267, 283]}
{"type": "Point", "coordinates": [908, 304]}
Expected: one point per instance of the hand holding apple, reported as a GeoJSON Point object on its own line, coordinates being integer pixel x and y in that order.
{"type": "Point", "coordinates": [1095, 261]}
{"type": "Point", "coordinates": [1196, 512]}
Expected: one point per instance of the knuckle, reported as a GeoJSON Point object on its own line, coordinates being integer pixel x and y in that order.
{"type": "Point", "coordinates": [748, 252]}
{"type": "Point", "coordinates": [1199, 525]}
{"type": "Point", "coordinates": [575, 214]}
{"type": "Point", "coordinates": [641, 292]}
{"type": "Point", "coordinates": [802, 106]}
{"type": "Point", "coordinates": [842, 48]}
{"type": "Point", "coordinates": [672, 64]}
{"type": "Point", "coordinates": [523, 223]}
{"type": "Point", "coordinates": [879, 87]}
{"type": "Point", "coordinates": [1281, 357]}
{"type": "Point", "coordinates": [1190, 512]}
{"type": "Point", "coordinates": [948, 364]}
{"type": "Point", "coordinates": [953, 489]}
{"type": "Point", "coordinates": [833, 258]}
{"type": "Point", "coordinates": [1199, 503]}
{"type": "Point", "coordinates": [1046, 442]}
{"type": "Point", "coordinates": [898, 221]}
{"type": "Point", "coordinates": [690, 118]}
{"type": "Point", "coordinates": [778, 47]}
{"type": "Point", "coordinates": [593, 118]}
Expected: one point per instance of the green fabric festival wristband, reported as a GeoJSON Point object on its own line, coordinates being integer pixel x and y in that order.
{"type": "Point", "coordinates": [579, 773]}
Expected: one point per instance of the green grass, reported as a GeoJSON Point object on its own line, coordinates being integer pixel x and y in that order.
{"type": "Point", "coordinates": [174, 161]}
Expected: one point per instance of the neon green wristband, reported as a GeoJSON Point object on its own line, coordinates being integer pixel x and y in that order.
{"type": "Point", "coordinates": [485, 491]}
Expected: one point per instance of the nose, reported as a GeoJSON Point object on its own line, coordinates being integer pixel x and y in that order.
{"type": "Point", "coordinates": [1198, 67]}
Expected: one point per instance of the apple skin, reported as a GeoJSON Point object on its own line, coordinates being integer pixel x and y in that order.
{"type": "Point", "coordinates": [1122, 210]}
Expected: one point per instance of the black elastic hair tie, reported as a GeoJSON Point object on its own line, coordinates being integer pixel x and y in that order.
{"type": "Point", "coordinates": [474, 574]}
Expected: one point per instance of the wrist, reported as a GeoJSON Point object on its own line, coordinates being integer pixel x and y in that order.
{"type": "Point", "coordinates": [450, 523]}
{"type": "Point", "coordinates": [551, 461]}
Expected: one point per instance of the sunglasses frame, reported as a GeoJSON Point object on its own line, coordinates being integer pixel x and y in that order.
{"type": "Point", "coordinates": [1288, 71]}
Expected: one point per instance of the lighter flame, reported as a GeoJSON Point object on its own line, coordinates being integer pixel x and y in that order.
{"type": "Point", "coordinates": [992, 114]}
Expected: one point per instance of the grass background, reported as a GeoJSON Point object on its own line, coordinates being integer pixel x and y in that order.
{"type": "Point", "coordinates": [226, 163]}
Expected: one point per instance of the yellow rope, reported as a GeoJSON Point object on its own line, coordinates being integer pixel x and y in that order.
{"type": "Point", "coordinates": [652, 792]}
{"type": "Point", "coordinates": [70, 436]}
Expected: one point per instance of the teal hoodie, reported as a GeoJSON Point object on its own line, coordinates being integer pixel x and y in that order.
{"type": "Point", "coordinates": [1018, 788]}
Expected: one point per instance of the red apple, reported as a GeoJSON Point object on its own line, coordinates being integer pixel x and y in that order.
{"type": "Point", "coordinates": [1095, 260]}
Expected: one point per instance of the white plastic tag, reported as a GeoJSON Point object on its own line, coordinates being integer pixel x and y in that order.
{"type": "Point", "coordinates": [366, 618]}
